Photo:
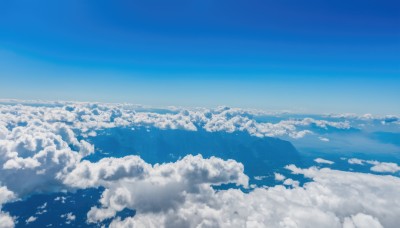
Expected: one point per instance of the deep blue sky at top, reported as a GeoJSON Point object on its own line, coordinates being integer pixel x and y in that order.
{"type": "Point", "coordinates": [311, 56]}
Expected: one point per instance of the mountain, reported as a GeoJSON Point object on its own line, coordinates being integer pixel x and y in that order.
{"type": "Point", "coordinates": [259, 155]}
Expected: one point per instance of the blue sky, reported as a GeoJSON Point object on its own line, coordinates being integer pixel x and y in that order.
{"type": "Point", "coordinates": [309, 56]}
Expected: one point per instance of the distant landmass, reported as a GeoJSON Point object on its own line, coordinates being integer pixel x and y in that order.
{"type": "Point", "coordinates": [155, 145]}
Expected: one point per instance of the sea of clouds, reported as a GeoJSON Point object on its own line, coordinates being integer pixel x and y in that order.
{"type": "Point", "coordinates": [43, 146]}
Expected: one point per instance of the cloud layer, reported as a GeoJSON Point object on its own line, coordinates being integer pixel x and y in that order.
{"type": "Point", "coordinates": [332, 199]}
{"type": "Point", "coordinates": [88, 117]}
{"type": "Point", "coordinates": [42, 149]}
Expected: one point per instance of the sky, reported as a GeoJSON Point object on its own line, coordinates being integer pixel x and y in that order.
{"type": "Point", "coordinates": [306, 56]}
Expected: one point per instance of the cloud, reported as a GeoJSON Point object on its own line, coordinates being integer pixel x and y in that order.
{"type": "Point", "coordinates": [324, 139]}
{"type": "Point", "coordinates": [259, 178]}
{"type": "Point", "coordinates": [5, 195]}
{"type": "Point", "coordinates": [69, 217]}
{"type": "Point", "coordinates": [39, 143]}
{"type": "Point", "coordinates": [333, 199]}
{"type": "Point", "coordinates": [87, 174]}
{"type": "Point", "coordinates": [291, 182]}
{"type": "Point", "coordinates": [384, 119]}
{"type": "Point", "coordinates": [384, 167]}
{"type": "Point", "coordinates": [32, 157]}
{"type": "Point", "coordinates": [6, 221]}
{"type": "Point", "coordinates": [60, 198]}
{"type": "Point", "coordinates": [355, 161]}
{"type": "Point", "coordinates": [323, 161]}
{"type": "Point", "coordinates": [361, 220]}
{"type": "Point", "coordinates": [41, 209]}
{"type": "Point", "coordinates": [379, 167]}
{"type": "Point", "coordinates": [30, 219]}
{"type": "Point", "coordinates": [41, 150]}
{"type": "Point", "coordinates": [279, 177]}
{"type": "Point", "coordinates": [180, 194]}
{"type": "Point", "coordinates": [159, 188]}
{"type": "Point", "coordinates": [89, 117]}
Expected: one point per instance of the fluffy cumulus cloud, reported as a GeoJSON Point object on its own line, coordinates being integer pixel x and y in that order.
{"type": "Point", "coordinates": [87, 174]}
{"type": "Point", "coordinates": [332, 199]}
{"type": "Point", "coordinates": [33, 156]}
{"type": "Point", "coordinates": [6, 221]}
{"type": "Point", "coordinates": [384, 167]}
{"type": "Point", "coordinates": [131, 183]}
{"type": "Point", "coordinates": [35, 152]}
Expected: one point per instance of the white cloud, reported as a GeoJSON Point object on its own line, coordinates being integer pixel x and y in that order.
{"type": "Point", "coordinates": [60, 198]}
{"type": "Point", "coordinates": [88, 174]}
{"type": "Point", "coordinates": [355, 161]}
{"type": "Point", "coordinates": [361, 220]}
{"type": "Point", "coordinates": [6, 221]}
{"type": "Point", "coordinates": [384, 167]}
{"type": "Point", "coordinates": [163, 187]}
{"type": "Point", "coordinates": [130, 222]}
{"type": "Point", "coordinates": [69, 217]}
{"type": "Point", "coordinates": [5, 195]}
{"type": "Point", "coordinates": [33, 156]}
{"type": "Point", "coordinates": [379, 167]}
{"type": "Point", "coordinates": [180, 195]}
{"type": "Point", "coordinates": [367, 117]}
{"type": "Point", "coordinates": [87, 117]}
{"type": "Point", "coordinates": [291, 182]}
{"type": "Point", "coordinates": [333, 199]}
{"type": "Point", "coordinates": [259, 177]}
{"type": "Point", "coordinates": [323, 139]}
{"type": "Point", "coordinates": [30, 219]}
{"type": "Point", "coordinates": [279, 177]}
{"type": "Point", "coordinates": [41, 209]}
{"type": "Point", "coordinates": [43, 206]}
{"type": "Point", "coordinates": [323, 161]}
